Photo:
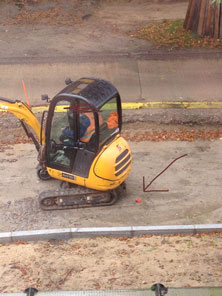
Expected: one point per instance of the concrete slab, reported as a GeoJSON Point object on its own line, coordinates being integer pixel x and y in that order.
{"type": "Point", "coordinates": [50, 78]}
{"type": "Point", "coordinates": [182, 80]}
{"type": "Point", "coordinates": [136, 80]}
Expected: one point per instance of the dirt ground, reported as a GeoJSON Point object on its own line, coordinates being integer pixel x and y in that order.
{"type": "Point", "coordinates": [193, 197]}
{"type": "Point", "coordinates": [112, 263]}
{"type": "Point", "coordinates": [11, 131]}
{"type": "Point", "coordinates": [100, 263]}
{"type": "Point", "coordinates": [60, 29]}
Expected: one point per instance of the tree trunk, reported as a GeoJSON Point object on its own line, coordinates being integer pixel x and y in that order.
{"type": "Point", "coordinates": [204, 18]}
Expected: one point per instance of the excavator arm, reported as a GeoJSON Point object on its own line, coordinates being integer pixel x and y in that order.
{"type": "Point", "coordinates": [26, 117]}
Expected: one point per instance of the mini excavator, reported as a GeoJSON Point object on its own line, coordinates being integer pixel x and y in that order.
{"type": "Point", "coordinates": [78, 142]}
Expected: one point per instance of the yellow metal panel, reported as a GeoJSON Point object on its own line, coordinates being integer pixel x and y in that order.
{"type": "Point", "coordinates": [56, 174]}
{"type": "Point", "coordinates": [102, 172]}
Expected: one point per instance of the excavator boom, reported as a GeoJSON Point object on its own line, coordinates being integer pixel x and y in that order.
{"type": "Point", "coordinates": [26, 117]}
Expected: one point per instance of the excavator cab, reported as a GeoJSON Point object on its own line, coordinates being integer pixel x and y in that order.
{"type": "Point", "coordinates": [82, 118]}
{"type": "Point", "coordinates": [80, 144]}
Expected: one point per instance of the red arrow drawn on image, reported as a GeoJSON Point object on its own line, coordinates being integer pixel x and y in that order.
{"type": "Point", "coordinates": [161, 190]}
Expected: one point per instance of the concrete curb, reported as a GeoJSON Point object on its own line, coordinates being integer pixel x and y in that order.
{"type": "Point", "coordinates": [151, 105]}
{"type": "Point", "coordinates": [156, 105]}
{"type": "Point", "coordinates": [128, 231]}
{"type": "Point", "coordinates": [149, 54]}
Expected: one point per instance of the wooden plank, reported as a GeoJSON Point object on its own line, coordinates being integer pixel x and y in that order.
{"type": "Point", "coordinates": [220, 21]}
{"type": "Point", "coordinates": [196, 15]}
{"type": "Point", "coordinates": [206, 28]}
{"type": "Point", "coordinates": [213, 25]}
{"type": "Point", "coordinates": [217, 21]}
{"type": "Point", "coordinates": [202, 16]}
{"type": "Point", "coordinates": [191, 14]}
{"type": "Point", "coordinates": [187, 18]}
{"type": "Point", "coordinates": [212, 21]}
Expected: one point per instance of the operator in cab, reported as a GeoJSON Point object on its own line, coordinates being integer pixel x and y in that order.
{"type": "Point", "coordinates": [87, 128]}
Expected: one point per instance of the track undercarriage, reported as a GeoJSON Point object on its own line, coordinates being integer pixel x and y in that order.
{"type": "Point", "coordinates": [77, 197]}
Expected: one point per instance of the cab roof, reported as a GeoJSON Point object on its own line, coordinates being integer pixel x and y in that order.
{"type": "Point", "coordinates": [95, 91]}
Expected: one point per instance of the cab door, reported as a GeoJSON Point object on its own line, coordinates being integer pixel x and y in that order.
{"type": "Point", "coordinates": [70, 136]}
{"type": "Point", "coordinates": [60, 136]}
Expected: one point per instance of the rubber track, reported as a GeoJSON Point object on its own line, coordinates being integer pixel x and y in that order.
{"type": "Point", "coordinates": [77, 192]}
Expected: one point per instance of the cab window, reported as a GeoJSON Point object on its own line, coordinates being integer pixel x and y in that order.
{"type": "Point", "coordinates": [110, 118]}
{"type": "Point", "coordinates": [62, 123]}
{"type": "Point", "coordinates": [61, 133]}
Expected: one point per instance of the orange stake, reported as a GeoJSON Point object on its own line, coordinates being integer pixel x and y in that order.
{"type": "Point", "coordinates": [26, 94]}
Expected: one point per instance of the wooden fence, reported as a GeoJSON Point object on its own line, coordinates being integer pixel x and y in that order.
{"type": "Point", "coordinates": [204, 18]}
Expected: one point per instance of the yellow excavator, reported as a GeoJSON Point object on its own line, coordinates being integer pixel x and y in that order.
{"type": "Point", "coordinates": [78, 142]}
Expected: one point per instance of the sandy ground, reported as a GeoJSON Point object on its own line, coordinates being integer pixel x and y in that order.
{"type": "Point", "coordinates": [112, 263]}
{"type": "Point", "coordinates": [59, 29]}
